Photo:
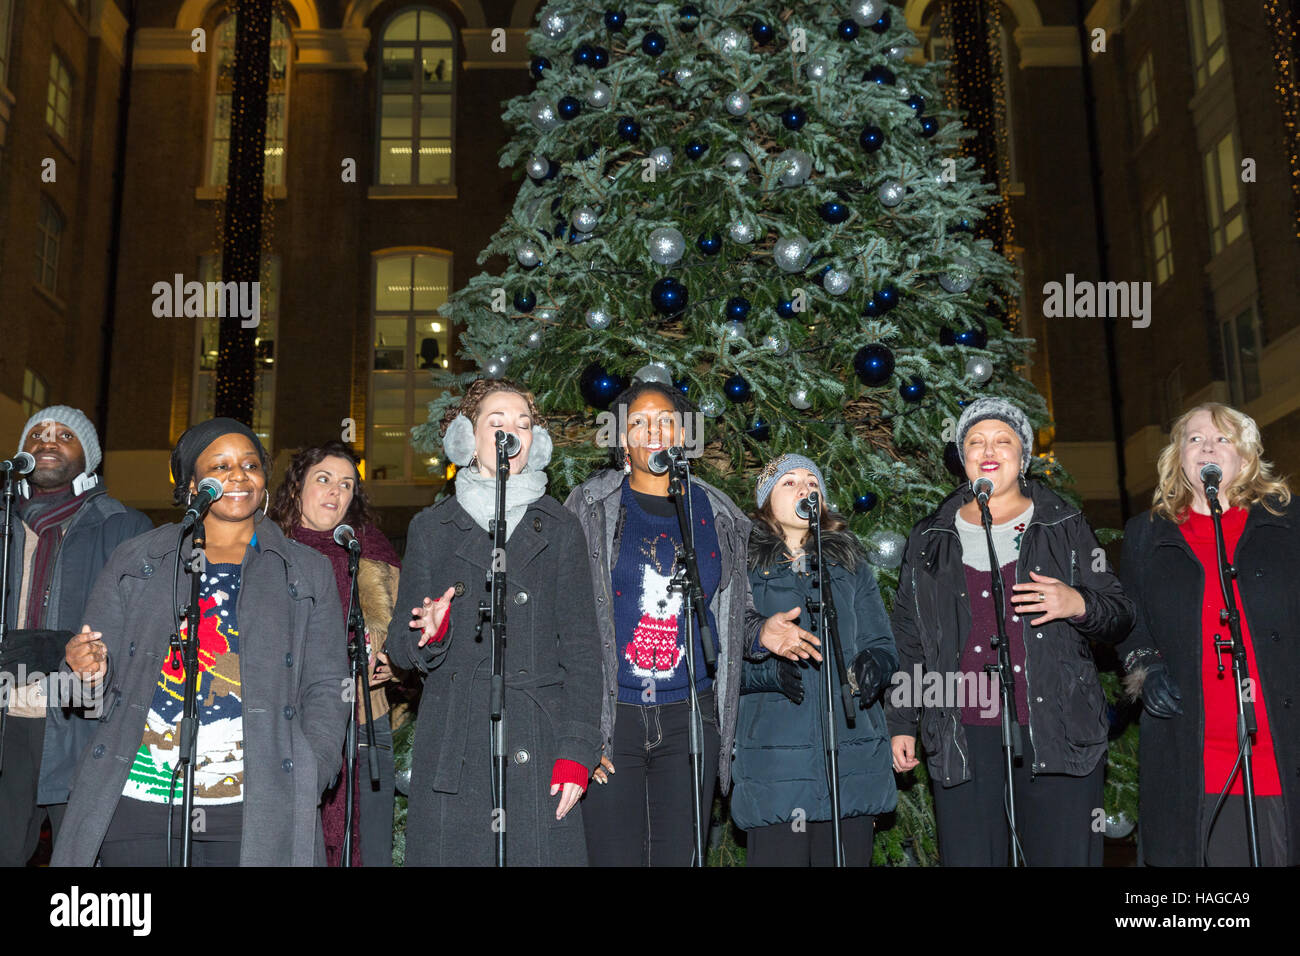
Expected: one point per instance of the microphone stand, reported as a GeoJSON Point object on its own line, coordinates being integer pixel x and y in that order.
{"type": "Point", "coordinates": [357, 658]}
{"type": "Point", "coordinates": [4, 593]}
{"type": "Point", "coordinates": [828, 632]}
{"type": "Point", "coordinates": [686, 579]}
{"type": "Point", "coordinates": [188, 649]}
{"type": "Point", "coordinates": [1011, 741]}
{"type": "Point", "coordinates": [1246, 723]}
{"type": "Point", "coordinates": [494, 614]}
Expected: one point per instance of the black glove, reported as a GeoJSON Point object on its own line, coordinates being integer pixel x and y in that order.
{"type": "Point", "coordinates": [775, 675]}
{"type": "Point", "coordinates": [790, 680]}
{"type": "Point", "coordinates": [36, 650]}
{"type": "Point", "coordinates": [869, 671]}
{"type": "Point", "coordinates": [1160, 694]}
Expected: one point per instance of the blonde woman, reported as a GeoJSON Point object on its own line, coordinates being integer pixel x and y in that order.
{"type": "Point", "coordinates": [1169, 568]}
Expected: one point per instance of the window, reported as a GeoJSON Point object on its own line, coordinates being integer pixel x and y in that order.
{"type": "Point", "coordinates": [1241, 352]}
{"type": "Point", "coordinates": [416, 103]}
{"type": "Point", "coordinates": [205, 346]}
{"type": "Point", "coordinates": [58, 98]}
{"type": "Point", "coordinates": [409, 339]}
{"type": "Point", "coordinates": [1222, 194]}
{"type": "Point", "coordinates": [1209, 52]}
{"type": "Point", "coordinates": [277, 103]}
{"type": "Point", "coordinates": [1159, 245]}
{"type": "Point", "coordinates": [36, 393]}
{"type": "Point", "coordinates": [6, 16]}
{"type": "Point", "coordinates": [49, 233]}
{"type": "Point", "coordinates": [1148, 116]}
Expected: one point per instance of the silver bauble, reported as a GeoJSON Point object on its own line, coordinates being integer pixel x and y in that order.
{"type": "Point", "coordinates": [711, 406]}
{"type": "Point", "coordinates": [504, 361]}
{"type": "Point", "coordinates": [885, 548]}
{"type": "Point", "coordinates": [799, 399]}
{"type": "Point", "coordinates": [682, 75]}
{"type": "Point", "coordinates": [818, 68]}
{"type": "Point", "coordinates": [865, 12]}
{"type": "Point", "coordinates": [836, 282]}
{"type": "Point", "coordinates": [584, 219]}
{"type": "Point", "coordinates": [979, 370]}
{"type": "Point", "coordinates": [597, 319]}
{"type": "Point", "coordinates": [537, 167]}
{"type": "Point", "coordinates": [891, 194]}
{"type": "Point", "coordinates": [599, 96]}
{"type": "Point", "coordinates": [741, 231]}
{"type": "Point", "coordinates": [735, 162]}
{"type": "Point", "coordinates": [730, 40]}
{"type": "Point", "coordinates": [1118, 825]}
{"type": "Point", "coordinates": [402, 782]}
{"type": "Point", "coordinates": [534, 340]}
{"type": "Point", "coordinates": [959, 277]}
{"type": "Point", "coordinates": [555, 25]}
{"type": "Point", "coordinates": [666, 245]}
{"type": "Point", "coordinates": [896, 52]}
{"type": "Point", "coordinates": [737, 103]}
{"type": "Point", "coordinates": [545, 315]}
{"type": "Point", "coordinates": [776, 343]}
{"type": "Point", "coordinates": [528, 255]}
{"type": "Point", "coordinates": [544, 116]}
{"type": "Point", "coordinates": [654, 372]}
{"type": "Point", "coordinates": [795, 166]}
{"type": "Point", "coordinates": [903, 89]}
{"type": "Point", "coordinates": [735, 330]}
{"type": "Point", "coordinates": [663, 157]}
{"type": "Point", "coordinates": [494, 369]}
{"type": "Point", "coordinates": [791, 253]}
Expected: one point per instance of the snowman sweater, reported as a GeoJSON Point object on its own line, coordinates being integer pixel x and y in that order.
{"type": "Point", "coordinates": [647, 615]}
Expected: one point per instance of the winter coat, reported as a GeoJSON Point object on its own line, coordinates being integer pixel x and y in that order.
{"type": "Point", "coordinates": [1165, 580]}
{"type": "Point", "coordinates": [92, 534]}
{"type": "Point", "coordinates": [293, 679]}
{"type": "Point", "coordinates": [552, 699]}
{"type": "Point", "coordinates": [598, 504]}
{"type": "Point", "coordinates": [1068, 724]}
{"type": "Point", "coordinates": [781, 760]}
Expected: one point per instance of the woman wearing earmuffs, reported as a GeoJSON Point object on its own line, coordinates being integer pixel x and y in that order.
{"type": "Point", "coordinates": [552, 656]}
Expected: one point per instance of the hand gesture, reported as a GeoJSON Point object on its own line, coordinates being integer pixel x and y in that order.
{"type": "Point", "coordinates": [428, 617]}
{"type": "Point", "coordinates": [783, 637]}
{"type": "Point", "coordinates": [1055, 599]}
{"type": "Point", "coordinates": [86, 654]}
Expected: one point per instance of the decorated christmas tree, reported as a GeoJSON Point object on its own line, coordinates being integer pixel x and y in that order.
{"type": "Point", "coordinates": [768, 204]}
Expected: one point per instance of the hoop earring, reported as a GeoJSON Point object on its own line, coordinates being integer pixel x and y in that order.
{"type": "Point", "coordinates": [627, 463]}
{"type": "Point", "coordinates": [473, 461]}
{"type": "Point", "coordinates": [267, 502]}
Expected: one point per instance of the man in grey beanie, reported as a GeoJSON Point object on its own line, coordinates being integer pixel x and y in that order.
{"type": "Point", "coordinates": [62, 531]}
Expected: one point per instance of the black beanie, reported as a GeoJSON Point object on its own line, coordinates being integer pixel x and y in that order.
{"type": "Point", "coordinates": [193, 443]}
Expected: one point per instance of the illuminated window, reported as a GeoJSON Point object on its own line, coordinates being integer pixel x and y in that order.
{"type": "Point", "coordinates": [49, 235]}
{"type": "Point", "coordinates": [409, 340]}
{"type": "Point", "coordinates": [1223, 194]}
{"type": "Point", "coordinates": [36, 393]}
{"type": "Point", "coordinates": [417, 81]}
{"type": "Point", "coordinates": [6, 17]}
{"type": "Point", "coordinates": [1241, 352]}
{"type": "Point", "coordinates": [1159, 245]}
{"type": "Point", "coordinates": [206, 338]}
{"type": "Point", "coordinates": [277, 103]}
{"type": "Point", "coordinates": [58, 98]}
{"type": "Point", "coordinates": [1148, 116]}
{"type": "Point", "coordinates": [1209, 51]}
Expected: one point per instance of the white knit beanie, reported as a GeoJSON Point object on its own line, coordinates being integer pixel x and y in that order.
{"type": "Point", "coordinates": [76, 422]}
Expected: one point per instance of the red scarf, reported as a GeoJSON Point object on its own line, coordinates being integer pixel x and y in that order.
{"type": "Point", "coordinates": [48, 523]}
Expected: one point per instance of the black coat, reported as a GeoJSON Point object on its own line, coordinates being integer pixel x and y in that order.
{"type": "Point", "coordinates": [1161, 574]}
{"type": "Point", "coordinates": [553, 686]}
{"type": "Point", "coordinates": [1067, 709]}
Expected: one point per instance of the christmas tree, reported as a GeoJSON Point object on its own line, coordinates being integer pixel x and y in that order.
{"type": "Point", "coordinates": [768, 204]}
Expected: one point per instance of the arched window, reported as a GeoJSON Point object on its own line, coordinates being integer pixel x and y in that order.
{"type": "Point", "coordinates": [409, 339]}
{"type": "Point", "coordinates": [277, 102]}
{"type": "Point", "coordinates": [417, 85]}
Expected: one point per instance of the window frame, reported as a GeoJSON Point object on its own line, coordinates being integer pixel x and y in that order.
{"type": "Point", "coordinates": [417, 47]}
{"type": "Point", "coordinates": [1222, 218]}
{"type": "Point", "coordinates": [45, 238]}
{"type": "Point", "coordinates": [31, 404]}
{"type": "Point", "coordinates": [64, 137]}
{"type": "Point", "coordinates": [1146, 64]}
{"type": "Point", "coordinates": [1204, 67]}
{"type": "Point", "coordinates": [1154, 257]}
{"type": "Point", "coordinates": [1234, 368]}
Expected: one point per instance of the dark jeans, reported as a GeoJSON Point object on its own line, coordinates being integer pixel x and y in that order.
{"type": "Point", "coordinates": [136, 835]}
{"type": "Point", "coordinates": [20, 817]}
{"type": "Point", "coordinates": [780, 845]}
{"type": "Point", "coordinates": [376, 807]}
{"type": "Point", "coordinates": [643, 816]}
{"type": "Point", "coordinates": [1054, 812]}
{"type": "Point", "coordinates": [152, 851]}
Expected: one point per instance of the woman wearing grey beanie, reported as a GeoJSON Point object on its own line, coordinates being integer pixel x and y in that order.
{"type": "Point", "coordinates": [1060, 594]}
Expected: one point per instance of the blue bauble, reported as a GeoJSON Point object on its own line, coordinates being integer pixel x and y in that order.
{"type": "Point", "coordinates": [568, 107]}
{"type": "Point", "coordinates": [737, 308]}
{"type": "Point", "coordinates": [525, 301]}
{"type": "Point", "coordinates": [759, 430]}
{"type": "Point", "coordinates": [794, 118]}
{"type": "Point", "coordinates": [599, 387]}
{"type": "Point", "coordinates": [614, 20]}
{"type": "Point", "coordinates": [929, 126]}
{"type": "Point", "coordinates": [880, 74]}
{"type": "Point", "coordinates": [709, 243]}
{"type": "Point", "coordinates": [847, 30]}
{"type": "Point", "coordinates": [785, 309]}
{"type": "Point", "coordinates": [834, 212]}
{"type": "Point", "coordinates": [864, 502]}
{"type": "Point", "coordinates": [886, 298]}
{"type": "Point", "coordinates": [737, 388]}
{"type": "Point", "coordinates": [668, 296]}
{"type": "Point", "coordinates": [871, 138]}
{"type": "Point", "coordinates": [961, 225]}
{"type": "Point", "coordinates": [653, 43]}
{"type": "Point", "coordinates": [975, 338]}
{"type": "Point", "coordinates": [872, 310]}
{"type": "Point", "coordinates": [538, 65]}
{"type": "Point", "coordinates": [874, 364]}
{"type": "Point", "coordinates": [582, 55]}
{"type": "Point", "coordinates": [763, 34]}
{"type": "Point", "coordinates": [682, 386]}
{"type": "Point", "coordinates": [917, 102]}
{"type": "Point", "coordinates": [695, 149]}
{"type": "Point", "coordinates": [912, 390]}
{"type": "Point", "coordinates": [689, 18]}
{"type": "Point", "coordinates": [599, 57]}
{"type": "Point", "coordinates": [882, 25]}
{"type": "Point", "coordinates": [629, 129]}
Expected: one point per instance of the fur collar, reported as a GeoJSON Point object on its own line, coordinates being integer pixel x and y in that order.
{"type": "Point", "coordinates": [766, 550]}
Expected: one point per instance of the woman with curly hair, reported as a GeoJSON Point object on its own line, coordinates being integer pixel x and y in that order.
{"type": "Point", "coordinates": [322, 489]}
{"type": "Point", "coordinates": [552, 656]}
{"type": "Point", "coordinates": [1190, 786]}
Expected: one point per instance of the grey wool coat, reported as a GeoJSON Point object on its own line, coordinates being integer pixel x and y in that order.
{"type": "Point", "coordinates": [294, 679]}
{"type": "Point", "coordinates": [552, 701]}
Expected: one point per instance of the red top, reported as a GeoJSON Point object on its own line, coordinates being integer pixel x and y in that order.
{"type": "Point", "coordinates": [1220, 751]}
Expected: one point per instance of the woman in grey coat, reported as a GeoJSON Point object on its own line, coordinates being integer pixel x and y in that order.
{"type": "Point", "coordinates": [552, 669]}
{"type": "Point", "coordinates": [271, 683]}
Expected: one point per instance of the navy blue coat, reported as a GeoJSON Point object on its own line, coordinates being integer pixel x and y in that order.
{"type": "Point", "coordinates": [780, 760]}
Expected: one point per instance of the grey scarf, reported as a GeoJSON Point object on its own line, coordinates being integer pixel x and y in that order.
{"type": "Point", "coordinates": [477, 494]}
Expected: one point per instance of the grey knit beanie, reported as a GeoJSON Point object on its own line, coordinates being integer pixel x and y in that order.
{"type": "Point", "coordinates": [777, 467]}
{"type": "Point", "coordinates": [76, 422]}
{"type": "Point", "coordinates": [982, 409]}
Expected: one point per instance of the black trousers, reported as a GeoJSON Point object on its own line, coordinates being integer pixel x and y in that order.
{"type": "Point", "coordinates": [20, 817]}
{"type": "Point", "coordinates": [1229, 844]}
{"type": "Point", "coordinates": [781, 845]}
{"type": "Point", "coordinates": [642, 816]}
{"type": "Point", "coordinates": [1055, 813]}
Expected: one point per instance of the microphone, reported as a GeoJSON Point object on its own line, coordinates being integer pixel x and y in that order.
{"type": "Point", "coordinates": [344, 537]}
{"type": "Point", "coordinates": [662, 460]}
{"type": "Point", "coordinates": [807, 507]}
{"type": "Point", "coordinates": [507, 440]}
{"type": "Point", "coordinates": [982, 487]}
{"type": "Point", "coordinates": [20, 464]}
{"type": "Point", "coordinates": [209, 492]}
{"type": "Point", "coordinates": [1211, 475]}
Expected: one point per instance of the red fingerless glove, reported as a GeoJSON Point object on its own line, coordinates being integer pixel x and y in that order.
{"type": "Point", "coordinates": [569, 771]}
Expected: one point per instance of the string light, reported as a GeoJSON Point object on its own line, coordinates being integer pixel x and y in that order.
{"type": "Point", "coordinates": [1283, 36]}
